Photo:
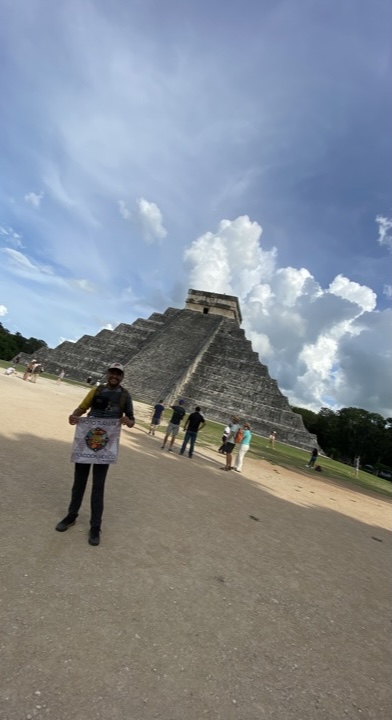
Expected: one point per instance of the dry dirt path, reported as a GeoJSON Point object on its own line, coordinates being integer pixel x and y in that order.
{"type": "Point", "coordinates": [189, 608]}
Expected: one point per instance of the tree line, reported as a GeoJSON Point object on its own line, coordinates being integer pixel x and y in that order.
{"type": "Point", "coordinates": [351, 432]}
{"type": "Point", "coordinates": [11, 344]}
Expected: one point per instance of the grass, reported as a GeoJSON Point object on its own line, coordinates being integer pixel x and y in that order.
{"type": "Point", "coordinates": [282, 455]}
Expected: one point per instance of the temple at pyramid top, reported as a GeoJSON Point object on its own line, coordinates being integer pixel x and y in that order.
{"type": "Point", "coordinates": [214, 304]}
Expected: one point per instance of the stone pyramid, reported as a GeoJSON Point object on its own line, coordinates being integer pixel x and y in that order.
{"type": "Point", "coordinates": [199, 353]}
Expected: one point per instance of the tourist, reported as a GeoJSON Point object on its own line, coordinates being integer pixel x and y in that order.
{"type": "Point", "coordinates": [243, 447]}
{"type": "Point", "coordinates": [313, 458]}
{"type": "Point", "coordinates": [37, 370]}
{"type": "Point", "coordinates": [111, 401]}
{"type": "Point", "coordinates": [60, 377]}
{"type": "Point", "coordinates": [156, 417]}
{"type": "Point", "coordinates": [271, 439]}
{"type": "Point", "coordinates": [225, 435]}
{"type": "Point", "coordinates": [29, 369]}
{"type": "Point", "coordinates": [230, 442]}
{"type": "Point", "coordinates": [193, 424]}
{"type": "Point", "coordinates": [174, 424]}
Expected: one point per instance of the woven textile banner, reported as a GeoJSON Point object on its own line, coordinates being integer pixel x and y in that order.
{"type": "Point", "coordinates": [96, 441]}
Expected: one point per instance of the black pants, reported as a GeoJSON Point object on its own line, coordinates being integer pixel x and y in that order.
{"type": "Point", "coordinates": [80, 481]}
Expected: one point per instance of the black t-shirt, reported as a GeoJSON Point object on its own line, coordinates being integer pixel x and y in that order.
{"type": "Point", "coordinates": [194, 421]}
{"type": "Point", "coordinates": [179, 412]}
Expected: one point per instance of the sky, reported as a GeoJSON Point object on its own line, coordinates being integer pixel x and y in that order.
{"type": "Point", "coordinates": [235, 147]}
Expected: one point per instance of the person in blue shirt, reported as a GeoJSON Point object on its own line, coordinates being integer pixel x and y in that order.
{"type": "Point", "coordinates": [243, 448]}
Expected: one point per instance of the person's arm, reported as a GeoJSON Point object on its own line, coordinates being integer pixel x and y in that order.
{"type": "Point", "coordinates": [128, 418]}
{"type": "Point", "coordinates": [83, 407]}
{"type": "Point", "coordinates": [202, 424]}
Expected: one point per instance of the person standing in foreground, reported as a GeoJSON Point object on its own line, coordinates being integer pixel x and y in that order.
{"type": "Point", "coordinates": [230, 442]}
{"type": "Point", "coordinates": [194, 423]}
{"type": "Point", "coordinates": [108, 401]}
{"type": "Point", "coordinates": [243, 448]}
{"type": "Point", "coordinates": [174, 424]}
{"type": "Point", "coordinates": [156, 417]}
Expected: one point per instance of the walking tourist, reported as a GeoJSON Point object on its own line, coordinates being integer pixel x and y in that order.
{"type": "Point", "coordinates": [156, 417]}
{"type": "Point", "coordinates": [29, 369]}
{"type": "Point", "coordinates": [271, 439]}
{"type": "Point", "coordinates": [313, 458]}
{"type": "Point", "coordinates": [109, 401]}
{"type": "Point", "coordinates": [60, 377]}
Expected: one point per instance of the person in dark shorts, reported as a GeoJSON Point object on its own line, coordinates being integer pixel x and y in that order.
{"type": "Point", "coordinates": [230, 442]}
{"type": "Point", "coordinates": [156, 417]}
{"type": "Point", "coordinates": [174, 424]}
{"type": "Point", "coordinates": [225, 435]}
{"type": "Point", "coordinates": [193, 424]}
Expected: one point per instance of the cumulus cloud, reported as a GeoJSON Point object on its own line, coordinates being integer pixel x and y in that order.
{"type": "Point", "coordinates": [124, 212]}
{"type": "Point", "coordinates": [387, 290]}
{"type": "Point", "coordinates": [311, 337]}
{"type": "Point", "coordinates": [3, 310]}
{"type": "Point", "coordinates": [151, 220]}
{"type": "Point", "coordinates": [384, 231]}
{"type": "Point", "coordinates": [33, 199]}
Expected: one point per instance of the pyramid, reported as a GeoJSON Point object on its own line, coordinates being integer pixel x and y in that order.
{"type": "Point", "coordinates": [199, 353]}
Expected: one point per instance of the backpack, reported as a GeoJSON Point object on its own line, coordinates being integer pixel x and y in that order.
{"type": "Point", "coordinates": [123, 399]}
{"type": "Point", "coordinates": [239, 436]}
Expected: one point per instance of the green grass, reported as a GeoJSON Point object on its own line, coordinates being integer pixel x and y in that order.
{"type": "Point", "coordinates": [282, 455]}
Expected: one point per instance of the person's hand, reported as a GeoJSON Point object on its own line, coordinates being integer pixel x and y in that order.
{"type": "Point", "coordinates": [127, 421]}
{"type": "Point", "coordinates": [73, 419]}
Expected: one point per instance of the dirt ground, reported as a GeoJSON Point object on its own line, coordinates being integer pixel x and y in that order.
{"type": "Point", "coordinates": [258, 596]}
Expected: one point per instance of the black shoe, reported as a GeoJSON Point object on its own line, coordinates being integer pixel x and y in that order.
{"type": "Point", "coordinates": [66, 523]}
{"type": "Point", "coordinates": [93, 536]}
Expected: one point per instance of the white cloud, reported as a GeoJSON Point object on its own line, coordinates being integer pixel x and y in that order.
{"type": "Point", "coordinates": [352, 291]}
{"type": "Point", "coordinates": [124, 212]}
{"type": "Point", "coordinates": [3, 311]}
{"type": "Point", "coordinates": [387, 291]}
{"type": "Point", "coordinates": [384, 230]}
{"type": "Point", "coordinates": [84, 285]}
{"type": "Point", "coordinates": [34, 199]}
{"type": "Point", "coordinates": [12, 237]}
{"type": "Point", "coordinates": [302, 331]}
{"type": "Point", "coordinates": [151, 220]}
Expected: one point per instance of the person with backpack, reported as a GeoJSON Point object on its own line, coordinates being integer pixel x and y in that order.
{"type": "Point", "coordinates": [230, 442]}
{"type": "Point", "coordinates": [106, 401]}
{"type": "Point", "coordinates": [243, 447]}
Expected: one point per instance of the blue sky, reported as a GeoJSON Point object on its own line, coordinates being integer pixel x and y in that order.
{"type": "Point", "coordinates": [245, 148]}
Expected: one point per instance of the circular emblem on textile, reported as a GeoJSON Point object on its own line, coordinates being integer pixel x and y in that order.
{"type": "Point", "coordinates": [96, 439]}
